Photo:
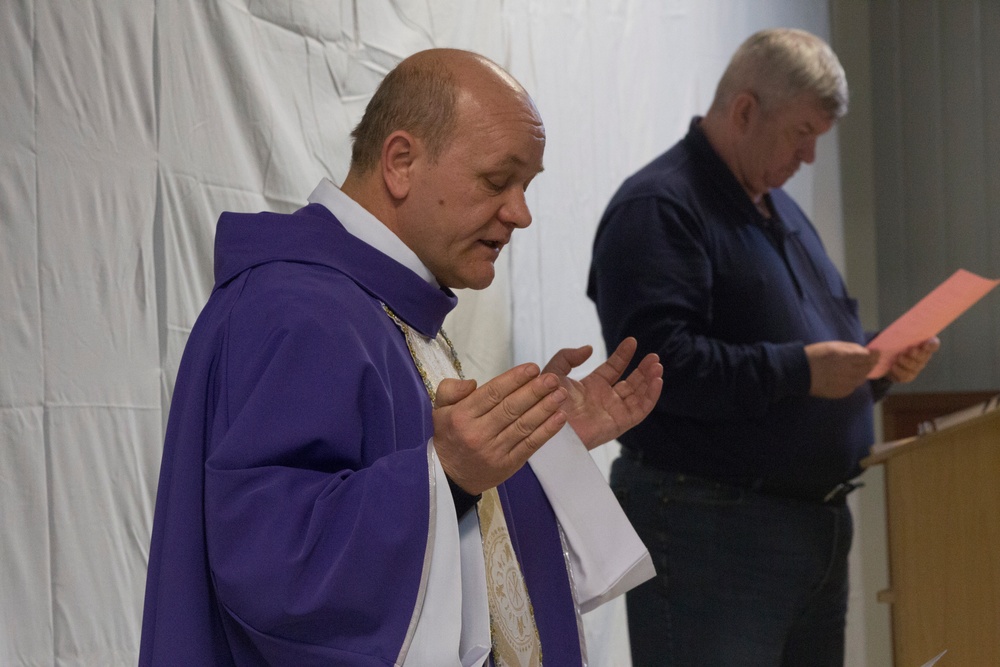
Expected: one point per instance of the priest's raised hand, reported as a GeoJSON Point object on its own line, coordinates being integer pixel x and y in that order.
{"type": "Point", "coordinates": [483, 435]}
{"type": "Point", "coordinates": [601, 407]}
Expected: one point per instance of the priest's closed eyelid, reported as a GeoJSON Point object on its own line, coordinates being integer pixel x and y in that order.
{"type": "Point", "coordinates": [496, 183]}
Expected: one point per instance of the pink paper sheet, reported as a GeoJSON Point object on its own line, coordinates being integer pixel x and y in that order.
{"type": "Point", "coordinates": [929, 317]}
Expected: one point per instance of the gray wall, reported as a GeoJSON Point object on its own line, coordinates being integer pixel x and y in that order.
{"type": "Point", "coordinates": [849, 30]}
{"type": "Point", "coordinates": [920, 175]}
{"type": "Point", "coordinates": [935, 103]}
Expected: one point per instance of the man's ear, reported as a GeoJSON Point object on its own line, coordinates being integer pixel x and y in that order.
{"type": "Point", "coordinates": [742, 109]}
{"type": "Point", "coordinates": [399, 151]}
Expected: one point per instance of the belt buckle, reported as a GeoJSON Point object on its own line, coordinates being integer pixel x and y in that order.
{"type": "Point", "coordinates": [840, 491]}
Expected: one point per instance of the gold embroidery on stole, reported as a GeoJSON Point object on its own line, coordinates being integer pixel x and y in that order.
{"type": "Point", "coordinates": [513, 632]}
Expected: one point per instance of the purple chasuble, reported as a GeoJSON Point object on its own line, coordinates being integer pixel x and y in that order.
{"type": "Point", "coordinates": [292, 509]}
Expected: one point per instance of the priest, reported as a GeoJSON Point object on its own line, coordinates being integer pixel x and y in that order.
{"type": "Point", "coordinates": [332, 491]}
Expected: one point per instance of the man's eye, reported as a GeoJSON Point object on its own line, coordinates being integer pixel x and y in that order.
{"type": "Point", "coordinates": [496, 187]}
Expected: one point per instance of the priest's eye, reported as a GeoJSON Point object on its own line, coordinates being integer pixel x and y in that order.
{"type": "Point", "coordinates": [494, 186]}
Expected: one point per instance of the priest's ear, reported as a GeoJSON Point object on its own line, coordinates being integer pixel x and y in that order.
{"type": "Point", "coordinates": [400, 151]}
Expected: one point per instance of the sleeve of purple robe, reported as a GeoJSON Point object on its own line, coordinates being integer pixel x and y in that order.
{"type": "Point", "coordinates": [301, 516]}
{"type": "Point", "coordinates": [317, 487]}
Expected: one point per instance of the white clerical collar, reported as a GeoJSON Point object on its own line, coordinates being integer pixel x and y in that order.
{"type": "Point", "coordinates": [365, 226]}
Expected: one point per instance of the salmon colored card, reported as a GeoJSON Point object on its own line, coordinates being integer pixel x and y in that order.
{"type": "Point", "coordinates": [929, 317]}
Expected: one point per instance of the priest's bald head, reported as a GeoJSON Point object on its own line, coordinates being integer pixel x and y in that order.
{"type": "Point", "coordinates": [443, 155]}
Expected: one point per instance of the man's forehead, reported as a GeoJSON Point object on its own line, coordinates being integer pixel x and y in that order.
{"type": "Point", "coordinates": [504, 128]}
{"type": "Point", "coordinates": [515, 162]}
{"type": "Point", "coordinates": [509, 144]}
{"type": "Point", "coordinates": [803, 109]}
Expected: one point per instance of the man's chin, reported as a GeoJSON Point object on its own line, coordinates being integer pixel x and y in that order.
{"type": "Point", "coordinates": [477, 282]}
{"type": "Point", "coordinates": [477, 286]}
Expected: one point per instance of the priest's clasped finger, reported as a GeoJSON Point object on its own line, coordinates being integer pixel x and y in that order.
{"type": "Point", "coordinates": [483, 435]}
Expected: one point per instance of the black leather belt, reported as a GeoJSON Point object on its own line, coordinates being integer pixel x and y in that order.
{"type": "Point", "coordinates": [835, 496]}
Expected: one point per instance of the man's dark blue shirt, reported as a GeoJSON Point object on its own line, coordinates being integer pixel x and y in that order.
{"type": "Point", "coordinates": [728, 298]}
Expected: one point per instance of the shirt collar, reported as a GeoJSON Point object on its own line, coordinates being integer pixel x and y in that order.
{"type": "Point", "coordinates": [712, 164]}
{"type": "Point", "coordinates": [364, 226]}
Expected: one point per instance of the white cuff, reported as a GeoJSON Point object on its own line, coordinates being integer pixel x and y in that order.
{"type": "Point", "coordinates": [605, 553]}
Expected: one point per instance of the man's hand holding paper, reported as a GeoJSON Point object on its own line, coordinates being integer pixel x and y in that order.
{"type": "Point", "coordinates": [913, 334]}
{"type": "Point", "coordinates": [912, 360]}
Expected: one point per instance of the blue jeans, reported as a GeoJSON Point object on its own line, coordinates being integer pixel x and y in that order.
{"type": "Point", "coordinates": [743, 579]}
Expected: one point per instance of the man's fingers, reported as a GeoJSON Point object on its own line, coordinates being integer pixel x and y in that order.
{"type": "Point", "coordinates": [640, 381]}
{"type": "Point", "coordinates": [522, 449]}
{"type": "Point", "coordinates": [505, 400]}
{"type": "Point", "coordinates": [838, 367]}
{"type": "Point", "coordinates": [909, 364]}
{"type": "Point", "coordinates": [650, 366]}
{"type": "Point", "coordinates": [858, 366]}
{"type": "Point", "coordinates": [568, 358]}
{"type": "Point", "coordinates": [616, 364]}
{"type": "Point", "coordinates": [481, 450]}
{"type": "Point", "coordinates": [524, 409]}
{"type": "Point", "coordinates": [868, 361]}
{"type": "Point", "coordinates": [497, 390]}
{"type": "Point", "coordinates": [533, 417]}
{"type": "Point", "coordinates": [451, 391]}
{"type": "Point", "coordinates": [919, 355]}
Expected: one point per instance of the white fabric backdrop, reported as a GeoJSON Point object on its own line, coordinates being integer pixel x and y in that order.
{"type": "Point", "coordinates": [129, 125]}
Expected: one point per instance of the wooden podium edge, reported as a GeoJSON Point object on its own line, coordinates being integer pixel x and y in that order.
{"type": "Point", "coordinates": [883, 451]}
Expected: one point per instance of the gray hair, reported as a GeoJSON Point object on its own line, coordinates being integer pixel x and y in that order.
{"type": "Point", "coordinates": [780, 64]}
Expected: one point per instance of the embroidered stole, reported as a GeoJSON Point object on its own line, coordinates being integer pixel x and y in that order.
{"type": "Point", "coordinates": [513, 631]}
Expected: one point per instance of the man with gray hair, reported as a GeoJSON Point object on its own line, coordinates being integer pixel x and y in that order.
{"type": "Point", "coordinates": [737, 480]}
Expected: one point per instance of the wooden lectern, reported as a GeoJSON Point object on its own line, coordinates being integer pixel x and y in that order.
{"type": "Point", "coordinates": [943, 506]}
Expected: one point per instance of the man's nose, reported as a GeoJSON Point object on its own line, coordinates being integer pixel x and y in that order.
{"type": "Point", "coordinates": [515, 210]}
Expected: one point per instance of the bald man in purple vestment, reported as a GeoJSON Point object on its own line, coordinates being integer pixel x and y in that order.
{"type": "Point", "coordinates": [324, 460]}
